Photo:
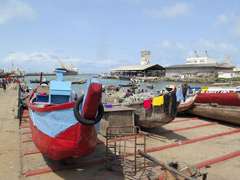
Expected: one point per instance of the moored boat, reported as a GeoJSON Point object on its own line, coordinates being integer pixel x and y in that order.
{"type": "Point", "coordinates": [189, 102]}
{"type": "Point", "coordinates": [38, 81]}
{"type": "Point", "coordinates": [231, 99]}
{"type": "Point", "coordinates": [229, 114]}
{"type": "Point", "coordinates": [157, 115]}
{"type": "Point", "coordinates": [82, 81]}
{"type": "Point", "coordinates": [128, 85]}
{"type": "Point", "coordinates": [61, 126]}
{"type": "Point", "coordinates": [150, 86]}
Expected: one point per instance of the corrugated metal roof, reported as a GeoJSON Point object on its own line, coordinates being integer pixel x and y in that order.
{"type": "Point", "coordinates": [223, 65]}
{"type": "Point", "coordinates": [138, 67]}
{"type": "Point", "coordinates": [191, 65]}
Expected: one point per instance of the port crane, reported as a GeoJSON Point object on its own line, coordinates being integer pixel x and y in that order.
{"type": "Point", "coordinates": [228, 60]}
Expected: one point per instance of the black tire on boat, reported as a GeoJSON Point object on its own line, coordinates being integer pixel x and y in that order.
{"type": "Point", "coordinates": [87, 121]}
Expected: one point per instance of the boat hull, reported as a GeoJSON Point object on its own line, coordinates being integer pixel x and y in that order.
{"type": "Point", "coordinates": [229, 114]}
{"type": "Point", "coordinates": [61, 147]}
{"type": "Point", "coordinates": [183, 106]}
{"type": "Point", "coordinates": [230, 99]}
{"type": "Point", "coordinates": [150, 118]}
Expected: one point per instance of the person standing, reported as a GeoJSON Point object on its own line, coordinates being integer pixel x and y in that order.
{"type": "Point", "coordinates": [4, 85]}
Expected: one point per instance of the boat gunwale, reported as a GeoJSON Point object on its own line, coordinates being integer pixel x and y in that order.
{"type": "Point", "coordinates": [51, 107]}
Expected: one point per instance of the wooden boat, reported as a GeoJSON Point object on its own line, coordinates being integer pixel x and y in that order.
{"type": "Point", "coordinates": [150, 86]}
{"type": "Point", "coordinates": [124, 77]}
{"type": "Point", "coordinates": [59, 129]}
{"type": "Point", "coordinates": [230, 99]}
{"type": "Point", "coordinates": [134, 87]}
{"type": "Point", "coordinates": [128, 85]}
{"type": "Point", "coordinates": [216, 89]}
{"type": "Point", "coordinates": [150, 118]}
{"type": "Point", "coordinates": [229, 114]}
{"type": "Point", "coordinates": [169, 88]}
{"type": "Point", "coordinates": [38, 81]}
{"type": "Point", "coordinates": [111, 87]}
{"type": "Point", "coordinates": [155, 116]}
{"type": "Point", "coordinates": [82, 81]}
{"type": "Point", "coordinates": [189, 102]}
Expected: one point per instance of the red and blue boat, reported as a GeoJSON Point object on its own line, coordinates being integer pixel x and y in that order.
{"type": "Point", "coordinates": [63, 126]}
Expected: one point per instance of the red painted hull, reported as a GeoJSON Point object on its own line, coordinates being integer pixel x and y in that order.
{"type": "Point", "coordinates": [230, 99]}
{"type": "Point", "coordinates": [77, 140]}
{"type": "Point", "coordinates": [70, 143]}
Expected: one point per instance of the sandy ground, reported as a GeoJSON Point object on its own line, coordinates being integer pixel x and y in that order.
{"type": "Point", "coordinates": [13, 164]}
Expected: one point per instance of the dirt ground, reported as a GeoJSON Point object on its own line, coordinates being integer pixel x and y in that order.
{"type": "Point", "coordinates": [14, 165]}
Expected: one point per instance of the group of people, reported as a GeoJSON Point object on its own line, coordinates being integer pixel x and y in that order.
{"type": "Point", "coordinates": [8, 80]}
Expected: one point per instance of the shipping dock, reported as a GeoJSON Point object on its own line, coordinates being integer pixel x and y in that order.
{"type": "Point", "coordinates": [211, 146]}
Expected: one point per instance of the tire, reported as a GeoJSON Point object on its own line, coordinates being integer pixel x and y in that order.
{"type": "Point", "coordinates": [87, 121]}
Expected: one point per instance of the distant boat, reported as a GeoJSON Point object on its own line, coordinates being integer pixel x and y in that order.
{"type": "Point", "coordinates": [82, 81]}
{"type": "Point", "coordinates": [129, 85]}
{"type": "Point", "coordinates": [38, 81]}
{"type": "Point", "coordinates": [124, 77]}
{"type": "Point", "coordinates": [150, 86]}
{"type": "Point", "coordinates": [111, 87]}
{"type": "Point", "coordinates": [106, 76]}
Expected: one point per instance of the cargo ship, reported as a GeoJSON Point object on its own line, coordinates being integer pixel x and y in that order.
{"type": "Point", "coordinates": [68, 68]}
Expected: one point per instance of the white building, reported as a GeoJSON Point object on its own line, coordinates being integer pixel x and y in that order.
{"type": "Point", "coordinates": [145, 57]}
{"type": "Point", "coordinates": [201, 60]}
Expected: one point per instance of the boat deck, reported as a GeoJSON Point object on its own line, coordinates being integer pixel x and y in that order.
{"type": "Point", "coordinates": [212, 146]}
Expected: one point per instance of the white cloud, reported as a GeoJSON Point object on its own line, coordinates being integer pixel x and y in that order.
{"type": "Point", "coordinates": [222, 47]}
{"type": "Point", "coordinates": [165, 44]}
{"type": "Point", "coordinates": [47, 62]}
{"type": "Point", "coordinates": [237, 26]}
{"type": "Point", "coordinates": [173, 11]}
{"type": "Point", "coordinates": [180, 46]}
{"type": "Point", "coordinates": [107, 63]}
{"type": "Point", "coordinates": [168, 45]}
{"type": "Point", "coordinates": [12, 9]}
{"type": "Point", "coordinates": [133, 1]}
{"type": "Point", "coordinates": [221, 19]}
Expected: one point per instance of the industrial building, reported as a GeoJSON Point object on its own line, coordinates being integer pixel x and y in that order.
{"type": "Point", "coordinates": [145, 69]}
{"type": "Point", "coordinates": [199, 67]}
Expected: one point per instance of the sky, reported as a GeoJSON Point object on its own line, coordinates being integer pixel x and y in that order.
{"type": "Point", "coordinates": [98, 35]}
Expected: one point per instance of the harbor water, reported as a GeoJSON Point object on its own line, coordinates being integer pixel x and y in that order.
{"type": "Point", "coordinates": [78, 88]}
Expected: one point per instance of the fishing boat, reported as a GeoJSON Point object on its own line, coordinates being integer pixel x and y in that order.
{"type": "Point", "coordinates": [156, 116]}
{"type": "Point", "coordinates": [189, 102]}
{"type": "Point", "coordinates": [111, 87]}
{"type": "Point", "coordinates": [129, 85]}
{"type": "Point", "coordinates": [63, 127]}
{"type": "Point", "coordinates": [169, 88]}
{"type": "Point", "coordinates": [82, 81]}
{"type": "Point", "coordinates": [124, 77]}
{"type": "Point", "coordinates": [229, 99]}
{"type": "Point", "coordinates": [216, 89]}
{"type": "Point", "coordinates": [38, 81]}
{"type": "Point", "coordinates": [150, 86]}
{"type": "Point", "coordinates": [229, 114]}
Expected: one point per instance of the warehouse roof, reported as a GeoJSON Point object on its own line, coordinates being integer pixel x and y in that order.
{"type": "Point", "coordinates": [139, 67]}
{"type": "Point", "coordinates": [222, 65]}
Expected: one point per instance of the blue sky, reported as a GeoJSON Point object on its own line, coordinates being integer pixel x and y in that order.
{"type": "Point", "coordinates": [98, 35]}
